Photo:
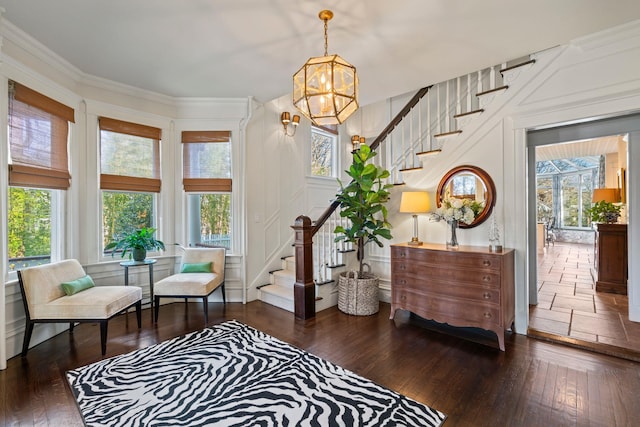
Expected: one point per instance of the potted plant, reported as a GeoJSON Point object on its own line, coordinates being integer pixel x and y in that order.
{"type": "Point", "coordinates": [137, 242]}
{"type": "Point", "coordinates": [604, 212]}
{"type": "Point", "coordinates": [362, 202]}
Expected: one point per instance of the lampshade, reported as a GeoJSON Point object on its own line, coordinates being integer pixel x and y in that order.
{"type": "Point", "coordinates": [609, 195]}
{"type": "Point", "coordinates": [325, 89]}
{"type": "Point", "coordinates": [414, 202]}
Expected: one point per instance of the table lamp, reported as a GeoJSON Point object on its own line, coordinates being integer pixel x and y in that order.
{"type": "Point", "coordinates": [609, 195]}
{"type": "Point", "coordinates": [414, 202]}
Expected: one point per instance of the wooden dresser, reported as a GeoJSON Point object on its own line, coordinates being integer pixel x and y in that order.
{"type": "Point", "coordinates": [611, 258]}
{"type": "Point", "coordinates": [470, 286]}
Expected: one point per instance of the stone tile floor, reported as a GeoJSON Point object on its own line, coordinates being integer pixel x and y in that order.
{"type": "Point", "coordinates": [569, 306]}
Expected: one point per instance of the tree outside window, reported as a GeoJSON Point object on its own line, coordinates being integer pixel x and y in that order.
{"type": "Point", "coordinates": [123, 213]}
{"type": "Point", "coordinates": [29, 227]}
{"type": "Point", "coordinates": [323, 151]}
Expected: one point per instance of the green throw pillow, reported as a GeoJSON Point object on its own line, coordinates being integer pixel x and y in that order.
{"type": "Point", "coordinates": [78, 285]}
{"type": "Point", "coordinates": [196, 267]}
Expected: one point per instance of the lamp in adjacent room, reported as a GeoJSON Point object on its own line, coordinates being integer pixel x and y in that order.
{"type": "Point", "coordinates": [609, 195]}
{"type": "Point", "coordinates": [286, 120]}
{"type": "Point", "coordinates": [414, 202]}
{"type": "Point", "coordinates": [325, 89]}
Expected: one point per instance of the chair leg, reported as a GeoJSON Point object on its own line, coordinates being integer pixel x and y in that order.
{"type": "Point", "coordinates": [28, 330]}
{"type": "Point", "coordinates": [156, 308]}
{"type": "Point", "coordinates": [224, 294]}
{"type": "Point", "coordinates": [71, 326]}
{"type": "Point", "coordinates": [103, 336]}
{"type": "Point", "coordinates": [205, 303]}
{"type": "Point", "coordinates": [139, 313]}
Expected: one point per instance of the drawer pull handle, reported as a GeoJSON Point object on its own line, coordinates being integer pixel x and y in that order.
{"type": "Point", "coordinates": [403, 297]}
{"type": "Point", "coordinates": [486, 278]}
{"type": "Point", "coordinates": [403, 267]}
{"type": "Point", "coordinates": [403, 282]}
{"type": "Point", "coordinates": [486, 295]}
{"type": "Point", "coordinates": [487, 315]}
{"type": "Point", "coordinates": [486, 263]}
{"type": "Point", "coordinates": [403, 254]}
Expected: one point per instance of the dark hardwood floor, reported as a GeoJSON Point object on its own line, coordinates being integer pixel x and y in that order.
{"type": "Point", "coordinates": [533, 383]}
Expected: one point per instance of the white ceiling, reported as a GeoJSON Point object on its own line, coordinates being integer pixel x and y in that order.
{"type": "Point", "coordinates": [585, 148]}
{"type": "Point", "coordinates": [239, 48]}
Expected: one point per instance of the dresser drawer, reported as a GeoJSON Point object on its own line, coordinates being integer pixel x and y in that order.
{"type": "Point", "coordinates": [419, 275]}
{"type": "Point", "coordinates": [457, 312]}
{"type": "Point", "coordinates": [421, 287]}
{"type": "Point", "coordinates": [448, 259]}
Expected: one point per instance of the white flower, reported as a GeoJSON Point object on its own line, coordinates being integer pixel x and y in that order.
{"type": "Point", "coordinates": [463, 210]}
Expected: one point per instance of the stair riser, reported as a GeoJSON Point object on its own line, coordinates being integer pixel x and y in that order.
{"type": "Point", "coordinates": [283, 278]}
{"type": "Point", "coordinates": [277, 301]}
{"type": "Point", "coordinates": [327, 293]}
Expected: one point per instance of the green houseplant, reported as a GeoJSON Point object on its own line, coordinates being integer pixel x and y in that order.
{"type": "Point", "coordinates": [362, 202]}
{"type": "Point", "coordinates": [604, 212]}
{"type": "Point", "coordinates": [137, 242]}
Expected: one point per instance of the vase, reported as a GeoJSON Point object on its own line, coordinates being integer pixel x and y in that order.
{"type": "Point", "coordinates": [139, 254]}
{"type": "Point", "coordinates": [452, 238]}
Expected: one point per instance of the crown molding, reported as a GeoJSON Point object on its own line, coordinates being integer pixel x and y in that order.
{"type": "Point", "coordinates": [93, 87]}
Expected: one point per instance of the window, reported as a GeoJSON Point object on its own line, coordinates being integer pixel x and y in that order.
{"type": "Point", "coordinates": [129, 176]}
{"type": "Point", "coordinates": [323, 151]}
{"type": "Point", "coordinates": [38, 176]}
{"type": "Point", "coordinates": [207, 179]}
{"type": "Point", "coordinates": [545, 199]}
{"type": "Point", "coordinates": [564, 188]}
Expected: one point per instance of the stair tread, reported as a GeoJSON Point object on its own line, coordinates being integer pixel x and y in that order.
{"type": "Point", "coordinates": [497, 89]}
{"type": "Point", "coordinates": [285, 273]}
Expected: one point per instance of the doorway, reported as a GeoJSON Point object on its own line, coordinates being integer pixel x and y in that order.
{"type": "Point", "coordinates": [564, 303]}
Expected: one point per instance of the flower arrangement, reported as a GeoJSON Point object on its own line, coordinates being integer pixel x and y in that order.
{"type": "Point", "coordinates": [461, 210]}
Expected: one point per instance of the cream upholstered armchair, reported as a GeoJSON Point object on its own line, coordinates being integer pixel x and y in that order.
{"type": "Point", "coordinates": [201, 273]}
{"type": "Point", "coordinates": [62, 292]}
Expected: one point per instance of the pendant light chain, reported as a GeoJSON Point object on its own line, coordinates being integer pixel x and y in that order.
{"type": "Point", "coordinates": [326, 38]}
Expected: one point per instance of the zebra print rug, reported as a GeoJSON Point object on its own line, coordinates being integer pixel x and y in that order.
{"type": "Point", "coordinates": [234, 375]}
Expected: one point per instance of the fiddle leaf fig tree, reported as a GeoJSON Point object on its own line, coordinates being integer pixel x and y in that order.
{"type": "Point", "coordinates": [362, 202]}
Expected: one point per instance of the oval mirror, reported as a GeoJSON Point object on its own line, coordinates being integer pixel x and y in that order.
{"type": "Point", "coordinates": [468, 182]}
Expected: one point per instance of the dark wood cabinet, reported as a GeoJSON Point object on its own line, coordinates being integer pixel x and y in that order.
{"type": "Point", "coordinates": [611, 258]}
{"type": "Point", "coordinates": [470, 286]}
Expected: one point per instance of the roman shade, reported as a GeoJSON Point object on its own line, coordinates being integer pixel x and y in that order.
{"type": "Point", "coordinates": [129, 156]}
{"type": "Point", "coordinates": [38, 135]}
{"type": "Point", "coordinates": [206, 161]}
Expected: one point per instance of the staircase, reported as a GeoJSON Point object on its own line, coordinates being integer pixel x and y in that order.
{"type": "Point", "coordinates": [279, 290]}
{"type": "Point", "coordinates": [420, 130]}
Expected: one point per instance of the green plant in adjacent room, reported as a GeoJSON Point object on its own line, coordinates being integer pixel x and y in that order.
{"type": "Point", "coordinates": [137, 242]}
{"type": "Point", "coordinates": [362, 202]}
{"type": "Point", "coordinates": [604, 212]}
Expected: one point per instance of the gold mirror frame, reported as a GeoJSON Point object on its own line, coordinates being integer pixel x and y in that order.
{"type": "Point", "coordinates": [489, 190]}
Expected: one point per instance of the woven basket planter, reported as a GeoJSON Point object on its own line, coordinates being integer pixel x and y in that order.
{"type": "Point", "coordinates": [358, 295]}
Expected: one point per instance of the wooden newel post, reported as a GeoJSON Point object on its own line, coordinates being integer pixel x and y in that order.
{"type": "Point", "coordinates": [304, 290]}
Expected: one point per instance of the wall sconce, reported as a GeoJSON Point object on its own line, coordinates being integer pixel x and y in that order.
{"type": "Point", "coordinates": [285, 118]}
{"type": "Point", "coordinates": [357, 141]}
{"type": "Point", "coordinates": [414, 202]}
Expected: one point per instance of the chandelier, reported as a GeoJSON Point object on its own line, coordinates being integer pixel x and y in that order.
{"type": "Point", "coordinates": [325, 89]}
